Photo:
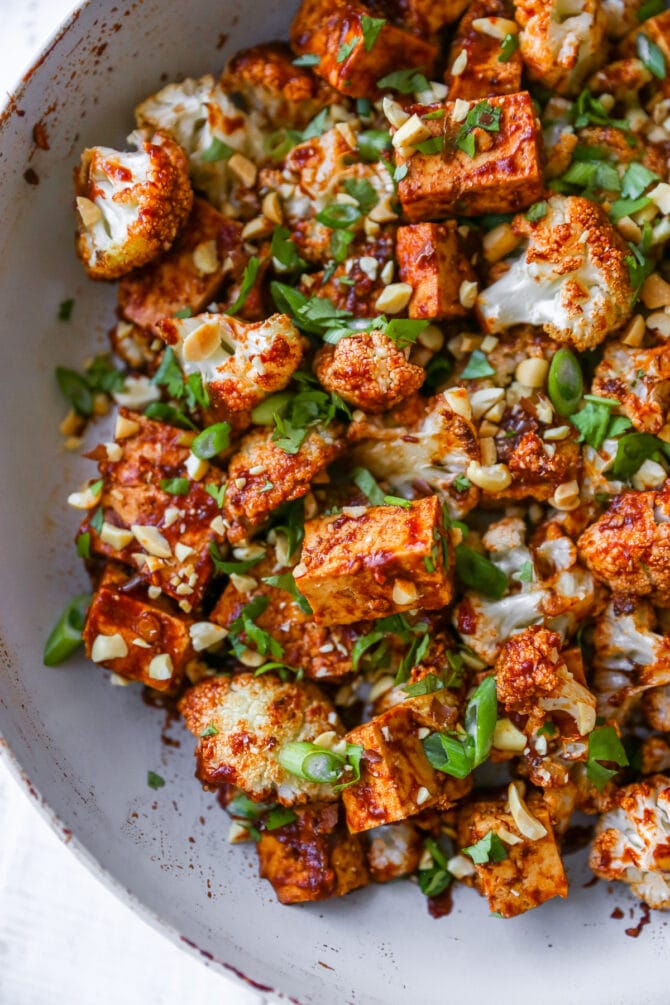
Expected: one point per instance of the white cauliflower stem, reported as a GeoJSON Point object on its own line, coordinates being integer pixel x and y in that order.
{"type": "Point", "coordinates": [571, 278]}
{"type": "Point", "coordinates": [562, 41]}
{"type": "Point", "coordinates": [131, 204]}
{"type": "Point", "coordinates": [633, 841]}
{"type": "Point", "coordinates": [240, 364]}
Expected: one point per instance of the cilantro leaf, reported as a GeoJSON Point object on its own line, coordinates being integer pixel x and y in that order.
{"type": "Point", "coordinates": [363, 191]}
{"type": "Point", "coordinates": [284, 251]}
{"type": "Point", "coordinates": [479, 573]}
{"type": "Point", "coordinates": [488, 849]}
{"type": "Point", "coordinates": [604, 745]}
{"type": "Point", "coordinates": [371, 26]}
{"type": "Point", "coordinates": [248, 280]}
{"type": "Point", "coordinates": [477, 366]}
{"type": "Point", "coordinates": [409, 81]}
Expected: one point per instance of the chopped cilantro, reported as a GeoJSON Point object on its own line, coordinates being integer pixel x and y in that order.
{"type": "Point", "coordinates": [155, 781]}
{"type": "Point", "coordinates": [248, 280]}
{"type": "Point", "coordinates": [604, 745]}
{"type": "Point", "coordinates": [363, 191]}
{"type": "Point", "coordinates": [483, 115]}
{"type": "Point", "coordinates": [508, 47]}
{"type": "Point", "coordinates": [477, 366]}
{"type": "Point", "coordinates": [284, 251]}
{"type": "Point", "coordinates": [175, 486]}
{"type": "Point", "coordinates": [404, 81]}
{"type": "Point", "coordinates": [224, 567]}
{"type": "Point", "coordinates": [372, 143]}
{"type": "Point", "coordinates": [368, 485]}
{"type": "Point", "coordinates": [537, 211]}
{"type": "Point", "coordinates": [307, 59]}
{"type": "Point", "coordinates": [488, 849]}
{"type": "Point", "coordinates": [347, 48]}
{"type": "Point", "coordinates": [244, 627]}
{"type": "Point", "coordinates": [479, 573]}
{"type": "Point", "coordinates": [371, 26]}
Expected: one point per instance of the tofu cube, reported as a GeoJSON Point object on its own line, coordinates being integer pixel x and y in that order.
{"type": "Point", "coordinates": [175, 281]}
{"type": "Point", "coordinates": [151, 630]}
{"type": "Point", "coordinates": [432, 261]}
{"type": "Point", "coordinates": [323, 654]}
{"type": "Point", "coordinates": [383, 560]}
{"type": "Point", "coordinates": [397, 780]}
{"type": "Point", "coordinates": [533, 871]}
{"type": "Point", "coordinates": [426, 17]}
{"type": "Point", "coordinates": [178, 560]}
{"type": "Point", "coordinates": [313, 857]}
{"type": "Point", "coordinates": [261, 476]}
{"type": "Point", "coordinates": [484, 73]}
{"type": "Point", "coordinates": [504, 175]}
{"type": "Point", "coordinates": [333, 30]}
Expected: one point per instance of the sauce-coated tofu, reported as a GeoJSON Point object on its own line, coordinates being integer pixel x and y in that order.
{"type": "Point", "coordinates": [368, 563]}
{"type": "Point", "coordinates": [313, 857]}
{"type": "Point", "coordinates": [504, 175]}
{"type": "Point", "coordinates": [332, 29]}
{"type": "Point", "coordinates": [174, 282]}
{"type": "Point", "coordinates": [485, 72]}
{"type": "Point", "coordinates": [432, 261]}
{"type": "Point", "coordinates": [397, 780]}
{"type": "Point", "coordinates": [532, 872]}
{"type": "Point", "coordinates": [156, 639]}
{"type": "Point", "coordinates": [163, 535]}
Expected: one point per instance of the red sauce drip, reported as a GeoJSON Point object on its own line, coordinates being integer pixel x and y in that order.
{"type": "Point", "coordinates": [645, 918]}
{"type": "Point", "coordinates": [440, 906]}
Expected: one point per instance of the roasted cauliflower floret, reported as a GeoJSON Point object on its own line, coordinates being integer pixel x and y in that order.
{"type": "Point", "coordinates": [240, 364]}
{"type": "Point", "coordinates": [267, 79]}
{"type": "Point", "coordinates": [621, 16]}
{"type": "Point", "coordinates": [394, 850]}
{"type": "Point", "coordinates": [131, 205]}
{"type": "Point", "coordinates": [561, 41]}
{"type": "Point", "coordinates": [534, 680]}
{"type": "Point", "coordinates": [640, 380]}
{"type": "Point", "coordinates": [243, 722]}
{"type": "Point", "coordinates": [630, 655]}
{"type": "Point", "coordinates": [547, 586]}
{"type": "Point", "coordinates": [312, 856]}
{"type": "Point", "coordinates": [210, 128]}
{"type": "Point", "coordinates": [368, 371]}
{"type": "Point", "coordinates": [628, 548]}
{"type": "Point", "coordinates": [571, 278]}
{"type": "Point", "coordinates": [633, 841]}
{"type": "Point", "coordinates": [423, 444]}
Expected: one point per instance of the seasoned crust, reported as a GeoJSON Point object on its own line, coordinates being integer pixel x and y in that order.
{"type": "Point", "coordinates": [434, 263]}
{"type": "Point", "coordinates": [131, 205]}
{"type": "Point", "coordinates": [254, 717]}
{"type": "Point", "coordinates": [527, 668]}
{"type": "Point", "coordinates": [149, 628]}
{"type": "Point", "coordinates": [313, 857]}
{"type": "Point", "coordinates": [628, 547]}
{"type": "Point", "coordinates": [485, 73]}
{"type": "Point", "coordinates": [532, 872]}
{"type": "Point", "coordinates": [173, 282]}
{"type": "Point", "coordinates": [261, 476]}
{"type": "Point", "coordinates": [368, 371]}
{"type": "Point", "coordinates": [560, 49]}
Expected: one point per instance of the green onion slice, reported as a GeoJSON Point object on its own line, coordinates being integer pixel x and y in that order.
{"type": "Point", "coordinates": [65, 637]}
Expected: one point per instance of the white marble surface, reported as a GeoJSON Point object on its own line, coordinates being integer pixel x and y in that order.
{"type": "Point", "coordinates": [63, 936]}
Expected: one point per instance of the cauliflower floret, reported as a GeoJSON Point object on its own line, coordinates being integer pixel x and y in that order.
{"type": "Point", "coordinates": [620, 16]}
{"type": "Point", "coordinates": [654, 754]}
{"type": "Point", "coordinates": [639, 379]}
{"type": "Point", "coordinates": [561, 41]}
{"type": "Point", "coordinates": [628, 548]}
{"type": "Point", "coordinates": [424, 444]}
{"type": "Point", "coordinates": [571, 278]}
{"type": "Point", "coordinates": [622, 78]}
{"type": "Point", "coordinates": [534, 680]}
{"type": "Point", "coordinates": [267, 80]}
{"type": "Point", "coordinates": [319, 167]}
{"type": "Point", "coordinates": [656, 708]}
{"type": "Point", "coordinates": [633, 841]}
{"type": "Point", "coordinates": [131, 205]}
{"type": "Point", "coordinates": [368, 371]}
{"type": "Point", "coordinates": [240, 364]}
{"type": "Point", "coordinates": [394, 850]}
{"type": "Point", "coordinates": [205, 122]}
{"type": "Point", "coordinates": [251, 719]}
{"type": "Point", "coordinates": [551, 588]}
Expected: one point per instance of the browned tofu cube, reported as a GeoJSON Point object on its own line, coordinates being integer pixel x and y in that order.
{"type": "Point", "coordinates": [313, 857]}
{"type": "Point", "coordinates": [261, 476]}
{"type": "Point", "coordinates": [163, 534]}
{"type": "Point", "coordinates": [426, 17]}
{"type": "Point", "coordinates": [289, 96]}
{"type": "Point", "coordinates": [174, 282]}
{"type": "Point", "coordinates": [397, 780]}
{"type": "Point", "coordinates": [504, 175]}
{"type": "Point", "coordinates": [485, 73]}
{"type": "Point", "coordinates": [367, 563]}
{"type": "Point", "coordinates": [324, 654]}
{"type": "Point", "coordinates": [533, 870]}
{"type": "Point", "coordinates": [433, 262]}
{"type": "Point", "coordinates": [333, 30]}
{"type": "Point", "coordinates": [138, 638]}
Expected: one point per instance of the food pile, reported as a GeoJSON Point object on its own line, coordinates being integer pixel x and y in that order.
{"type": "Point", "coordinates": [387, 497]}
